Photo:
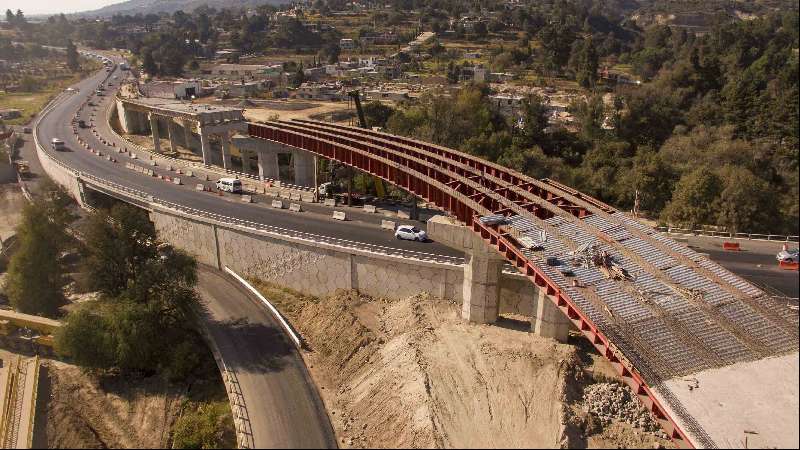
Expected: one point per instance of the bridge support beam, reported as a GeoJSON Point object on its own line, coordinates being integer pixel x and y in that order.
{"type": "Point", "coordinates": [173, 138]}
{"type": "Point", "coordinates": [154, 132]}
{"type": "Point", "coordinates": [303, 163]}
{"type": "Point", "coordinates": [225, 143]}
{"type": "Point", "coordinates": [549, 321]}
{"type": "Point", "coordinates": [268, 164]}
{"type": "Point", "coordinates": [481, 287]}
{"type": "Point", "coordinates": [205, 146]}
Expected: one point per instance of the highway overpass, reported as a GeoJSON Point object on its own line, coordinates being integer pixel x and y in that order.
{"type": "Point", "coordinates": [709, 354]}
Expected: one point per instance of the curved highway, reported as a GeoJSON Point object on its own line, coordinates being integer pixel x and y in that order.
{"type": "Point", "coordinates": [281, 404]}
{"type": "Point", "coordinates": [57, 124]}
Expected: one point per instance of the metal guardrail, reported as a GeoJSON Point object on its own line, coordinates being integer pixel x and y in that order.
{"type": "Point", "coordinates": [727, 235]}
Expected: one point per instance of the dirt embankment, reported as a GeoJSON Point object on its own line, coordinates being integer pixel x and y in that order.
{"type": "Point", "coordinates": [84, 411]}
{"type": "Point", "coordinates": [412, 374]}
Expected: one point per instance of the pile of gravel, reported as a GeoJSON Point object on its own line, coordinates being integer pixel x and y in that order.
{"type": "Point", "coordinates": [615, 401]}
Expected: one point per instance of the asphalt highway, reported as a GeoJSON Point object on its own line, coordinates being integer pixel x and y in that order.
{"type": "Point", "coordinates": [282, 404]}
{"type": "Point", "coordinates": [57, 124]}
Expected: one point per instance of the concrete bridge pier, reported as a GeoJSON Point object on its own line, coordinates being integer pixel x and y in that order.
{"type": "Point", "coordinates": [304, 163]}
{"type": "Point", "coordinates": [268, 164]}
{"type": "Point", "coordinates": [205, 146]}
{"type": "Point", "coordinates": [172, 131]}
{"type": "Point", "coordinates": [225, 143]}
{"type": "Point", "coordinates": [481, 288]}
{"type": "Point", "coordinates": [154, 131]}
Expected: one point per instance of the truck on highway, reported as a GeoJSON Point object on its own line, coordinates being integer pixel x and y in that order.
{"type": "Point", "coordinates": [124, 66]}
{"type": "Point", "coordinates": [57, 144]}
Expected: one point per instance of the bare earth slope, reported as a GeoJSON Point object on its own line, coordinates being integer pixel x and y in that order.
{"type": "Point", "coordinates": [411, 374]}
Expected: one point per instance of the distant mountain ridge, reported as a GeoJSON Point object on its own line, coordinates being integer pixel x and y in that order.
{"type": "Point", "coordinates": [132, 7]}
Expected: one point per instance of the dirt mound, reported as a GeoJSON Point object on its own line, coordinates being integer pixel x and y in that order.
{"type": "Point", "coordinates": [411, 373]}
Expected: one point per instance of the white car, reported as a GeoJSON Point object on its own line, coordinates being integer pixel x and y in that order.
{"type": "Point", "coordinates": [410, 233]}
{"type": "Point", "coordinates": [788, 256]}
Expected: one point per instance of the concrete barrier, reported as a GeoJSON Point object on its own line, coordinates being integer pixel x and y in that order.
{"type": "Point", "coordinates": [133, 156]}
{"type": "Point", "coordinates": [388, 224]}
{"type": "Point", "coordinates": [277, 204]}
{"type": "Point", "coordinates": [189, 173]}
{"type": "Point", "coordinates": [403, 214]}
{"type": "Point", "coordinates": [330, 202]}
{"type": "Point", "coordinates": [285, 194]}
{"type": "Point", "coordinates": [295, 196]}
{"type": "Point", "coordinates": [296, 207]}
{"type": "Point", "coordinates": [370, 209]}
{"type": "Point", "coordinates": [153, 163]}
{"type": "Point", "coordinates": [200, 187]}
{"type": "Point", "coordinates": [339, 215]}
{"type": "Point", "coordinates": [176, 180]}
{"type": "Point", "coordinates": [247, 199]}
{"type": "Point", "coordinates": [307, 197]}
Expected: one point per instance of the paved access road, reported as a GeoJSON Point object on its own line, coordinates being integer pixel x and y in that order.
{"type": "Point", "coordinates": [283, 405]}
{"type": "Point", "coordinates": [755, 262]}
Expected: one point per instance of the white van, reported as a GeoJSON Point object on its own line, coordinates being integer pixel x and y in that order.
{"type": "Point", "coordinates": [57, 144]}
{"type": "Point", "coordinates": [229, 185]}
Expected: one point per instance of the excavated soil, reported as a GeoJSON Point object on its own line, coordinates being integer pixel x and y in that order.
{"type": "Point", "coordinates": [84, 411]}
{"type": "Point", "coordinates": [412, 374]}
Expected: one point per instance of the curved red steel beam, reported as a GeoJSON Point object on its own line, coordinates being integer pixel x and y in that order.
{"type": "Point", "coordinates": [467, 188]}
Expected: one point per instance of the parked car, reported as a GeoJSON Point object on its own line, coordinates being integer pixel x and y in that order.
{"type": "Point", "coordinates": [410, 233]}
{"type": "Point", "coordinates": [789, 255]}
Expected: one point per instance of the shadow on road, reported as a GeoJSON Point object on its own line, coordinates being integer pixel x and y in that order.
{"type": "Point", "coordinates": [249, 346]}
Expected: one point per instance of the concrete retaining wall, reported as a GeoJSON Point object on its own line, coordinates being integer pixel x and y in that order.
{"type": "Point", "coordinates": [61, 176]}
{"type": "Point", "coordinates": [315, 270]}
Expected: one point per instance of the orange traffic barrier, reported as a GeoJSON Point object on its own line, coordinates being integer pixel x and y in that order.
{"type": "Point", "coordinates": [734, 246]}
{"type": "Point", "coordinates": [785, 265]}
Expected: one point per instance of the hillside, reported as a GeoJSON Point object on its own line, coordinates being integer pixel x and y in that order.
{"type": "Point", "coordinates": [133, 7]}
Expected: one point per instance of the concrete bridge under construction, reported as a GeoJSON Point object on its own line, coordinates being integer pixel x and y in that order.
{"type": "Point", "coordinates": [712, 356]}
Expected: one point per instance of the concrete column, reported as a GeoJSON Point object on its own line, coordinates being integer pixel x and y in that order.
{"type": "Point", "coordinates": [268, 164]}
{"type": "Point", "coordinates": [548, 320]}
{"type": "Point", "coordinates": [481, 287]}
{"type": "Point", "coordinates": [187, 135]}
{"type": "Point", "coordinates": [154, 132]}
{"type": "Point", "coordinates": [205, 146]}
{"type": "Point", "coordinates": [303, 168]}
{"type": "Point", "coordinates": [225, 143]}
{"type": "Point", "coordinates": [173, 143]}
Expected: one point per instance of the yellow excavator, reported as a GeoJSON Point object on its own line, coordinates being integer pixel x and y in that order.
{"type": "Point", "coordinates": [380, 189]}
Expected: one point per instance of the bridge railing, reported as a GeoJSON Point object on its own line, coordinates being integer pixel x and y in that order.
{"type": "Point", "coordinates": [728, 235]}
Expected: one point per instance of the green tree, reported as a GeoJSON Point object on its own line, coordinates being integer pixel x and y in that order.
{"type": "Point", "coordinates": [746, 203]}
{"type": "Point", "coordinates": [692, 203]}
{"type": "Point", "coordinates": [584, 62]}
{"type": "Point", "coordinates": [148, 62]}
{"type": "Point", "coordinates": [119, 243]}
{"type": "Point", "coordinates": [35, 272]}
{"type": "Point", "coordinates": [377, 113]}
{"type": "Point", "coordinates": [72, 56]}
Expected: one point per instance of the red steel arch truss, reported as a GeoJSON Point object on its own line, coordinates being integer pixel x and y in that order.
{"type": "Point", "coordinates": [468, 187]}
